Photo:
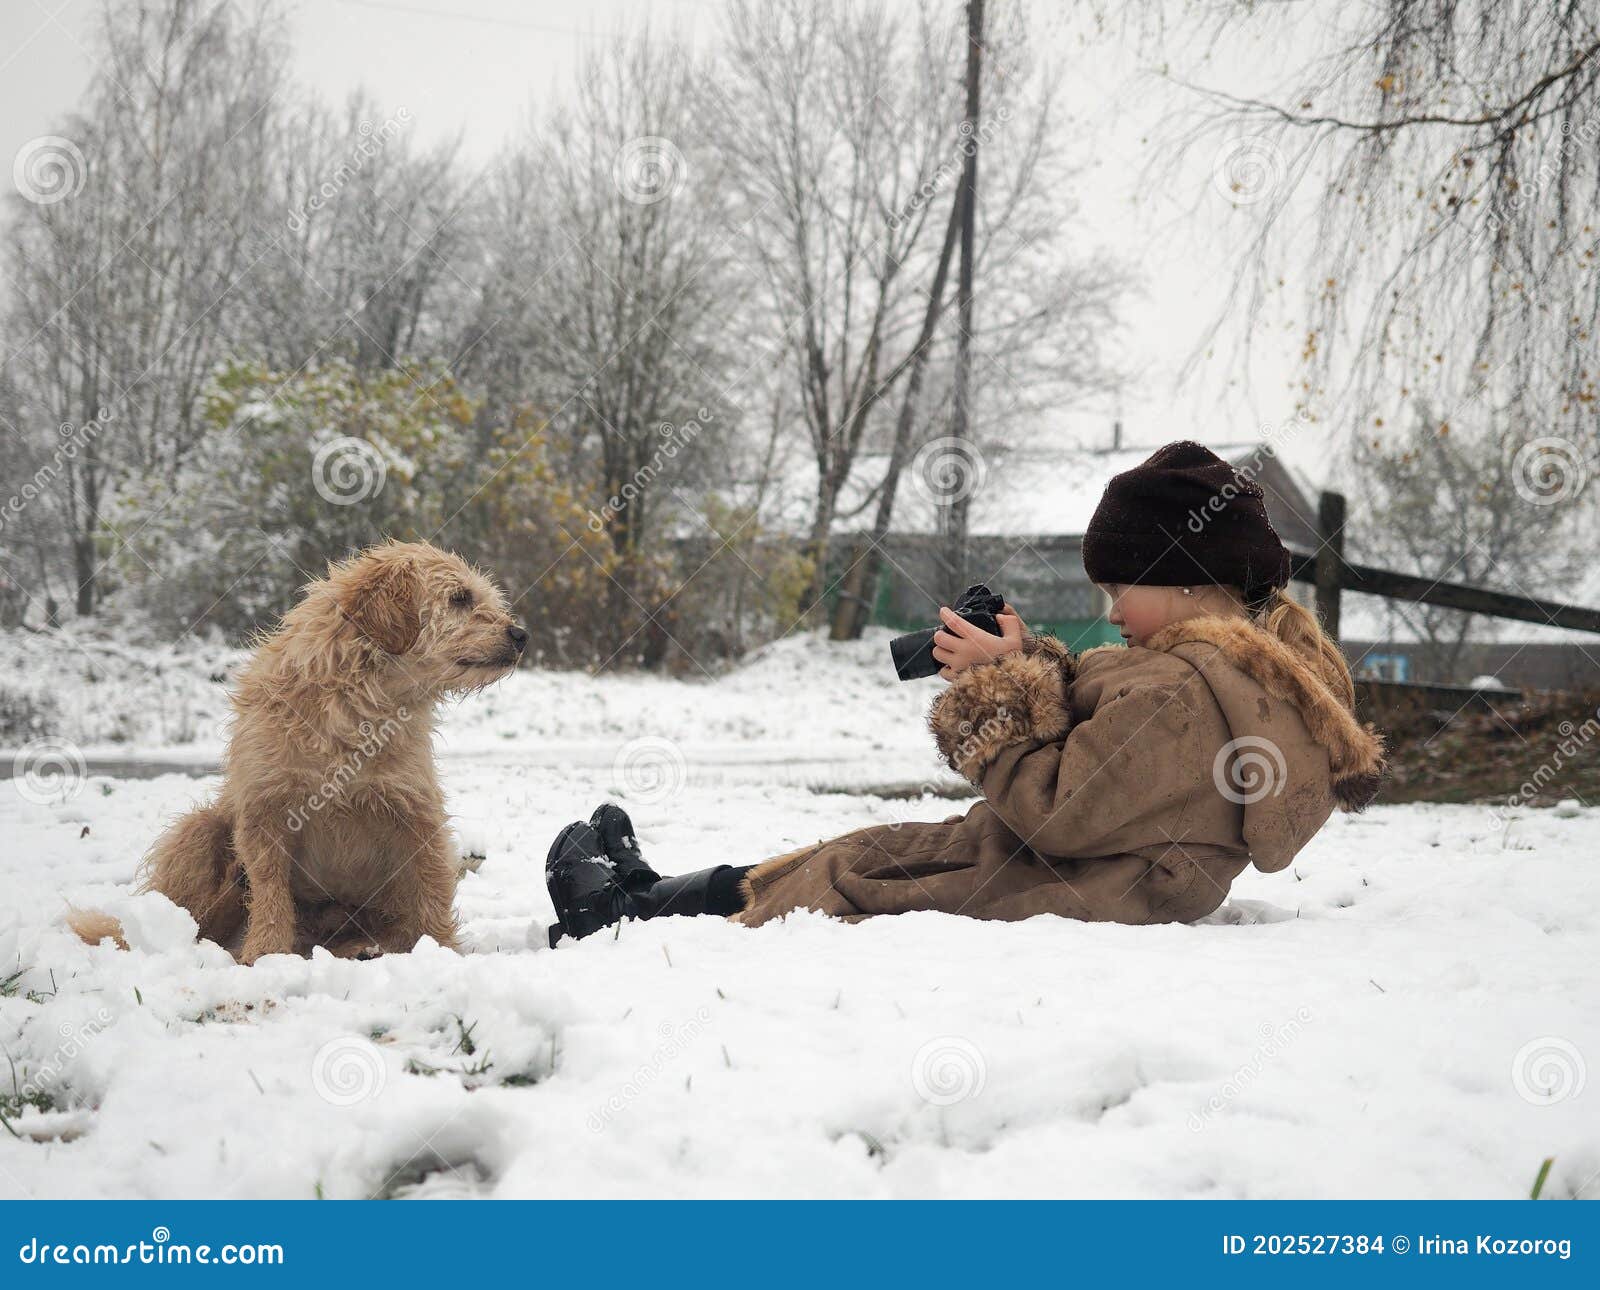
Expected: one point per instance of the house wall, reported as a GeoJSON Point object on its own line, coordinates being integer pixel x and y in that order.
{"type": "Point", "coordinates": [1550, 665]}
{"type": "Point", "coordinates": [1042, 577]}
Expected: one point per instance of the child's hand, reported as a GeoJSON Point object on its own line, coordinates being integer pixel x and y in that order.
{"type": "Point", "coordinates": [959, 644]}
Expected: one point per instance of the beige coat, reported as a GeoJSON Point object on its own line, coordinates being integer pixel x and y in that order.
{"type": "Point", "coordinates": [1128, 785]}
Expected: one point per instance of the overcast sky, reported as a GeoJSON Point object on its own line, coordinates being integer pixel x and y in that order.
{"type": "Point", "coordinates": [476, 66]}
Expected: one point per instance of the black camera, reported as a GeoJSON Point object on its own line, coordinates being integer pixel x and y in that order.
{"type": "Point", "coordinates": [913, 652]}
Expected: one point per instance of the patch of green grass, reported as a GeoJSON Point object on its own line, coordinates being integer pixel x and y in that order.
{"type": "Point", "coordinates": [12, 986]}
{"type": "Point", "coordinates": [21, 1097]}
{"type": "Point", "coordinates": [1544, 1173]}
{"type": "Point", "coordinates": [464, 1044]}
{"type": "Point", "coordinates": [475, 1067]}
{"type": "Point", "coordinates": [13, 1104]}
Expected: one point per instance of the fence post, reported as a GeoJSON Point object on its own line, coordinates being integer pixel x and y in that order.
{"type": "Point", "coordinates": [1330, 555]}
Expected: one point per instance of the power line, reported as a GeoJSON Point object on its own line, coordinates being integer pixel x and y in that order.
{"type": "Point", "coordinates": [494, 20]}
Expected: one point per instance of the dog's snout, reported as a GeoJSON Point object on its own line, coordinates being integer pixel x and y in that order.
{"type": "Point", "coordinates": [519, 637]}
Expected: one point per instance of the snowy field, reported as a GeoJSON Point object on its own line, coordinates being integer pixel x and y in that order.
{"type": "Point", "coordinates": [1406, 1012]}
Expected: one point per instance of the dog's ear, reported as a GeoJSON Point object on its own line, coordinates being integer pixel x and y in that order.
{"type": "Point", "coordinates": [381, 599]}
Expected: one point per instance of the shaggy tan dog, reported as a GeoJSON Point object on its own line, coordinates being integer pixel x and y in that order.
{"type": "Point", "coordinates": [330, 825]}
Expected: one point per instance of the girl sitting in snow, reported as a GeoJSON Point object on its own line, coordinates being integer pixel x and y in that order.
{"type": "Point", "coordinates": [1125, 785]}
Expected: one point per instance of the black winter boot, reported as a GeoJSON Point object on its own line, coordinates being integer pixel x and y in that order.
{"type": "Point", "coordinates": [590, 894]}
{"type": "Point", "coordinates": [621, 845]}
{"type": "Point", "coordinates": [584, 885]}
{"type": "Point", "coordinates": [684, 893]}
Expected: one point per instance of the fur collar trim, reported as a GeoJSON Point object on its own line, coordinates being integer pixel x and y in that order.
{"type": "Point", "coordinates": [1355, 751]}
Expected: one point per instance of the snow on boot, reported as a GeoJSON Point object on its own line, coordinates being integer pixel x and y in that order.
{"type": "Point", "coordinates": [590, 891]}
{"type": "Point", "coordinates": [621, 845]}
{"type": "Point", "coordinates": [584, 885]}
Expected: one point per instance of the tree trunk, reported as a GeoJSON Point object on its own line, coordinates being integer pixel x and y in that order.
{"type": "Point", "coordinates": [955, 510]}
{"type": "Point", "coordinates": [817, 545]}
{"type": "Point", "coordinates": [83, 568]}
{"type": "Point", "coordinates": [860, 590]}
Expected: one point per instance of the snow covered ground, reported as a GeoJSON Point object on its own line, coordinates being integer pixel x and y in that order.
{"type": "Point", "coordinates": [1408, 1011]}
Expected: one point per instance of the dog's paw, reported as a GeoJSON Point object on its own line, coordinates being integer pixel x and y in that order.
{"type": "Point", "coordinates": [259, 949]}
{"type": "Point", "coordinates": [355, 947]}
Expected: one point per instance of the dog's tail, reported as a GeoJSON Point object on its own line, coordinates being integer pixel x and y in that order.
{"type": "Point", "coordinates": [192, 864]}
{"type": "Point", "coordinates": [92, 926]}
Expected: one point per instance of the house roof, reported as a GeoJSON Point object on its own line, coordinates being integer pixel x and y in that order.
{"type": "Point", "coordinates": [1023, 492]}
{"type": "Point", "coordinates": [1039, 491]}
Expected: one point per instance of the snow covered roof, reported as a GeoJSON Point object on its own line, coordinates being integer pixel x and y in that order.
{"type": "Point", "coordinates": [1035, 491]}
{"type": "Point", "coordinates": [1024, 492]}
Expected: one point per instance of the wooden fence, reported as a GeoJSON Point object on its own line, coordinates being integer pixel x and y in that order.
{"type": "Point", "coordinates": [1331, 573]}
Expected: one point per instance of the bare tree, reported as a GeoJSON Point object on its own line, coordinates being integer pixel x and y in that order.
{"type": "Point", "coordinates": [605, 299]}
{"type": "Point", "coordinates": [361, 246]}
{"type": "Point", "coordinates": [835, 119]}
{"type": "Point", "coordinates": [31, 519]}
{"type": "Point", "coordinates": [125, 282]}
{"type": "Point", "coordinates": [1450, 153]}
{"type": "Point", "coordinates": [510, 226]}
{"type": "Point", "coordinates": [676, 244]}
{"type": "Point", "coordinates": [844, 128]}
{"type": "Point", "coordinates": [1466, 502]}
{"type": "Point", "coordinates": [954, 508]}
